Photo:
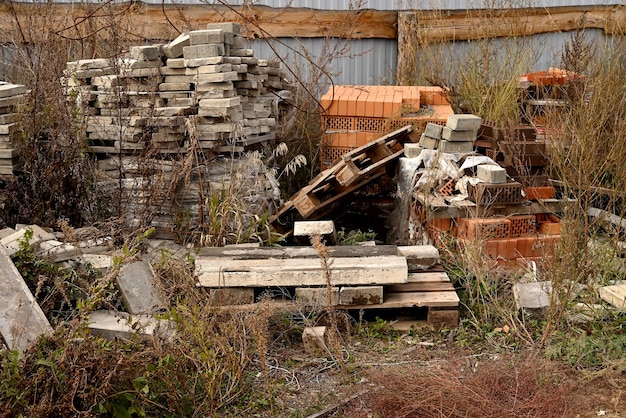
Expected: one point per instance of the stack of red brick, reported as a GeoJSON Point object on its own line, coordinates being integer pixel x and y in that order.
{"type": "Point", "coordinates": [505, 238]}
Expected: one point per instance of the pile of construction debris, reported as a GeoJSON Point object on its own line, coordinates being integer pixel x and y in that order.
{"type": "Point", "coordinates": [361, 278]}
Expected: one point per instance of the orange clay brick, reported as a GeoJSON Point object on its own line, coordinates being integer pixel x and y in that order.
{"type": "Point", "coordinates": [483, 228]}
{"type": "Point", "coordinates": [527, 247]}
{"type": "Point", "coordinates": [550, 228]}
{"type": "Point", "coordinates": [538, 193]}
{"type": "Point", "coordinates": [522, 225]}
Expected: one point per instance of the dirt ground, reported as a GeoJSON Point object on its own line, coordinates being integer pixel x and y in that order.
{"type": "Point", "coordinates": [404, 376]}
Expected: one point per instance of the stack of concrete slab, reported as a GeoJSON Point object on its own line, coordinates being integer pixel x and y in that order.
{"type": "Point", "coordinates": [10, 97]}
{"type": "Point", "coordinates": [456, 137]}
{"type": "Point", "coordinates": [203, 92]}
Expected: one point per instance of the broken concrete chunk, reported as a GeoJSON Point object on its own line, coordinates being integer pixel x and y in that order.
{"type": "Point", "coordinates": [314, 339]}
{"type": "Point", "coordinates": [303, 230]}
{"type": "Point", "coordinates": [615, 295]}
{"type": "Point", "coordinates": [419, 257]}
{"type": "Point", "coordinates": [534, 296]}
{"type": "Point", "coordinates": [139, 288]}
{"type": "Point", "coordinates": [101, 262]}
{"type": "Point", "coordinates": [57, 251]}
{"type": "Point", "coordinates": [95, 246]}
{"type": "Point", "coordinates": [21, 319]}
{"type": "Point", "coordinates": [12, 242]}
{"type": "Point", "coordinates": [5, 232]}
{"type": "Point", "coordinates": [114, 325]}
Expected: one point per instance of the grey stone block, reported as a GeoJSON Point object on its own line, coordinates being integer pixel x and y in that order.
{"type": "Point", "coordinates": [203, 51]}
{"type": "Point", "coordinates": [217, 77]}
{"type": "Point", "coordinates": [412, 150]}
{"type": "Point", "coordinates": [175, 48]}
{"type": "Point", "coordinates": [231, 27]}
{"type": "Point", "coordinates": [428, 142]}
{"type": "Point", "coordinates": [317, 296]}
{"type": "Point", "coordinates": [433, 130]}
{"type": "Point", "coordinates": [9, 90]}
{"type": "Point", "coordinates": [419, 257]}
{"type": "Point", "coordinates": [22, 321]}
{"type": "Point", "coordinates": [456, 147]}
{"type": "Point", "coordinates": [464, 122]}
{"type": "Point", "coordinates": [145, 52]}
{"type": "Point", "coordinates": [491, 173]}
{"type": "Point", "coordinates": [120, 325]}
{"type": "Point", "coordinates": [304, 230]}
{"type": "Point", "coordinates": [209, 36]}
{"type": "Point", "coordinates": [450, 134]}
{"type": "Point", "coordinates": [139, 288]}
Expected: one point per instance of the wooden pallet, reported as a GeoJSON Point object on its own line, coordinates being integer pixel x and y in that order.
{"type": "Point", "coordinates": [355, 170]}
{"type": "Point", "coordinates": [431, 291]}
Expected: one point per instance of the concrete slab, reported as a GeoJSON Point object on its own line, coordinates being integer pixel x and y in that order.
{"type": "Point", "coordinates": [57, 251]}
{"type": "Point", "coordinates": [21, 319]}
{"type": "Point", "coordinates": [139, 289]}
{"type": "Point", "coordinates": [120, 325]}
{"type": "Point", "coordinates": [12, 242]}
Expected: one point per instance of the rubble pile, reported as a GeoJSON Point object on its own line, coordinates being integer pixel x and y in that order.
{"type": "Point", "coordinates": [197, 102]}
{"type": "Point", "coordinates": [472, 197]}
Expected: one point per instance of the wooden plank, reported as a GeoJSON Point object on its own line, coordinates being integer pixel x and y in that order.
{"type": "Point", "coordinates": [615, 295]}
{"type": "Point", "coordinates": [219, 272]}
{"type": "Point", "coordinates": [420, 287]}
{"type": "Point", "coordinates": [141, 21]}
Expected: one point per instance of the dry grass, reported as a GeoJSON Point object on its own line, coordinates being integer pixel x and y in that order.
{"type": "Point", "coordinates": [474, 388]}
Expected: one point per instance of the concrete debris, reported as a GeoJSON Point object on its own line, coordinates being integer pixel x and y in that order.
{"type": "Point", "coordinates": [21, 319]}
{"type": "Point", "coordinates": [533, 297]}
{"type": "Point", "coordinates": [121, 325]}
{"type": "Point", "coordinates": [140, 291]}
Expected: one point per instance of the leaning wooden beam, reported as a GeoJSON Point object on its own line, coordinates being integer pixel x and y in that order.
{"type": "Point", "coordinates": [220, 272]}
{"type": "Point", "coordinates": [163, 22]}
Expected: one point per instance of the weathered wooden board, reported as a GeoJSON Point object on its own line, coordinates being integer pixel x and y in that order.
{"type": "Point", "coordinates": [220, 272]}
